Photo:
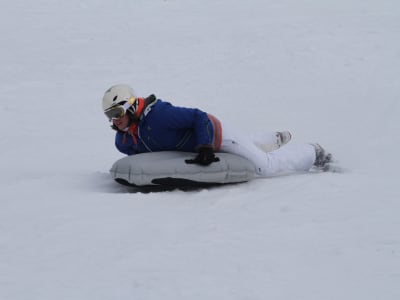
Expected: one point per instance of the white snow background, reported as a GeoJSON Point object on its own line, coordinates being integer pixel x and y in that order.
{"type": "Point", "coordinates": [328, 71]}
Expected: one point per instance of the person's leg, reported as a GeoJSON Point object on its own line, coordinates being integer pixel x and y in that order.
{"type": "Point", "coordinates": [291, 158]}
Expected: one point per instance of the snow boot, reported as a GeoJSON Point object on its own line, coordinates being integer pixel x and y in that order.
{"type": "Point", "coordinates": [282, 138]}
{"type": "Point", "coordinates": [322, 158]}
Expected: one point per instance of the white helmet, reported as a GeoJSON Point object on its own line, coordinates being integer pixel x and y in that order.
{"type": "Point", "coordinates": [117, 100]}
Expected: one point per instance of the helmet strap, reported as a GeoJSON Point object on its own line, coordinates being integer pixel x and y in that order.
{"type": "Point", "coordinates": [140, 106]}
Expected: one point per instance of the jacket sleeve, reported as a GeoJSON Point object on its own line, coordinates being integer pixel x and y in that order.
{"type": "Point", "coordinates": [190, 118]}
{"type": "Point", "coordinates": [123, 145]}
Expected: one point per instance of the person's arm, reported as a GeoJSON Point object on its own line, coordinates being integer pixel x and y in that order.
{"type": "Point", "coordinates": [190, 118]}
{"type": "Point", "coordinates": [199, 122]}
{"type": "Point", "coordinates": [123, 145]}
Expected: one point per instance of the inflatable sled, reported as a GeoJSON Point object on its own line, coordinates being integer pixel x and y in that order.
{"type": "Point", "coordinates": [168, 169]}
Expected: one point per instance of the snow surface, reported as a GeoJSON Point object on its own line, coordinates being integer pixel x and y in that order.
{"type": "Point", "coordinates": [329, 71]}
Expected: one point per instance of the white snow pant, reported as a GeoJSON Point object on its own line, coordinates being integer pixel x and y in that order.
{"type": "Point", "coordinates": [287, 159]}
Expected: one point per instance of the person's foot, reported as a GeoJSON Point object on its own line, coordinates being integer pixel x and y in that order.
{"type": "Point", "coordinates": [283, 137]}
{"type": "Point", "coordinates": [321, 156]}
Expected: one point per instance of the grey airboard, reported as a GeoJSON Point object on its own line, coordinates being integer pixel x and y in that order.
{"type": "Point", "coordinates": [156, 167]}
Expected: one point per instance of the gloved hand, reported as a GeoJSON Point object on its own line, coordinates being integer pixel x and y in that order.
{"type": "Point", "coordinates": [204, 157]}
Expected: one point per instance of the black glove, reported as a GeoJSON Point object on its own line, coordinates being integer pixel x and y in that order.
{"type": "Point", "coordinates": [205, 157]}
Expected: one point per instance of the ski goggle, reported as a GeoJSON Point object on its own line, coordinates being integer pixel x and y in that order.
{"type": "Point", "coordinates": [118, 111]}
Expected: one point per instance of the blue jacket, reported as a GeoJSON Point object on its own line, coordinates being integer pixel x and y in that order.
{"type": "Point", "coordinates": [164, 127]}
